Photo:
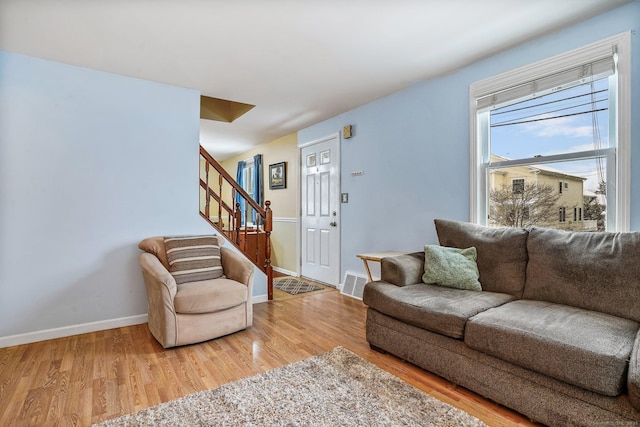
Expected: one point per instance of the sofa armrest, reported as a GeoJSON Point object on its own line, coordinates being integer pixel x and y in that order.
{"type": "Point", "coordinates": [403, 270]}
{"type": "Point", "coordinates": [235, 267]}
{"type": "Point", "coordinates": [633, 378]}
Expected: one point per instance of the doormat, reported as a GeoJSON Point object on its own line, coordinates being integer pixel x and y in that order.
{"type": "Point", "coordinates": [293, 286]}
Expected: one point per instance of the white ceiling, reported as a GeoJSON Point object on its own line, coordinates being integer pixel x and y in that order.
{"type": "Point", "coordinates": [298, 61]}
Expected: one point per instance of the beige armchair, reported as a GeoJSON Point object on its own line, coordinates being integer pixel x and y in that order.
{"type": "Point", "coordinates": [196, 311]}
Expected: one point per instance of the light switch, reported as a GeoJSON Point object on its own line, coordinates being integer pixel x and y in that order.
{"type": "Point", "coordinates": [344, 197]}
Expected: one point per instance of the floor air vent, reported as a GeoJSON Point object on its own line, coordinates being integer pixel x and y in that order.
{"type": "Point", "coordinates": [353, 285]}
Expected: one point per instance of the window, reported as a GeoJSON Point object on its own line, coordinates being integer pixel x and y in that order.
{"type": "Point", "coordinates": [566, 117]}
{"type": "Point", "coordinates": [247, 177]}
{"type": "Point", "coordinates": [517, 186]}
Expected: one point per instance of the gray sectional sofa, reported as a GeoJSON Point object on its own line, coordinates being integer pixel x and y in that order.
{"type": "Point", "coordinates": [554, 333]}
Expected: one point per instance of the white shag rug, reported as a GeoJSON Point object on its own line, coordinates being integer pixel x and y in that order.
{"type": "Point", "coordinates": [337, 388]}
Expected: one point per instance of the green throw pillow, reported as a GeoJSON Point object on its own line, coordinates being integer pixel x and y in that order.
{"type": "Point", "coordinates": [452, 267]}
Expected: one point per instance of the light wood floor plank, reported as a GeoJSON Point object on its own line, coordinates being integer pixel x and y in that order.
{"type": "Point", "coordinates": [84, 379]}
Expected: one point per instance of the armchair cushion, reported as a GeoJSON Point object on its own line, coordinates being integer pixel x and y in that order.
{"type": "Point", "coordinates": [155, 246]}
{"type": "Point", "coordinates": [193, 258]}
{"type": "Point", "coordinates": [209, 296]}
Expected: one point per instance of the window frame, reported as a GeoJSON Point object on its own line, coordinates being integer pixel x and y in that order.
{"type": "Point", "coordinates": [522, 181]}
{"type": "Point", "coordinates": [618, 156]}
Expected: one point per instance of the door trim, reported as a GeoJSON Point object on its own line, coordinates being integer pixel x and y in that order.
{"type": "Point", "coordinates": [338, 136]}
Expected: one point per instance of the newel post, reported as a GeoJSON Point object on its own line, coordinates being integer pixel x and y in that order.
{"type": "Point", "coordinates": [268, 226]}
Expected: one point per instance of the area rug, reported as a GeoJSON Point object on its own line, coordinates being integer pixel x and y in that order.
{"type": "Point", "coordinates": [293, 286]}
{"type": "Point", "coordinates": [337, 388]}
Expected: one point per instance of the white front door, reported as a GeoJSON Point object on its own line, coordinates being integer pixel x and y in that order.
{"type": "Point", "coordinates": [320, 200]}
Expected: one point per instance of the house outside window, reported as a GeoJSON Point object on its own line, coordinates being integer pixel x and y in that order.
{"type": "Point", "coordinates": [524, 196]}
{"type": "Point", "coordinates": [515, 114]}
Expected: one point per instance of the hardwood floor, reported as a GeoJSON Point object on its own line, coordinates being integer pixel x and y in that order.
{"type": "Point", "coordinates": [84, 379]}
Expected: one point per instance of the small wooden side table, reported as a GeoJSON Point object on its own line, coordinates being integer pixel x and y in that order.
{"type": "Point", "coordinates": [376, 257]}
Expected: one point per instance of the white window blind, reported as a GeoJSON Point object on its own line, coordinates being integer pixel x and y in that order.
{"type": "Point", "coordinates": [597, 69]}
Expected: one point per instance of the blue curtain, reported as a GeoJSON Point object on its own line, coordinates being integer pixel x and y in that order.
{"type": "Point", "coordinates": [257, 183]}
{"type": "Point", "coordinates": [239, 177]}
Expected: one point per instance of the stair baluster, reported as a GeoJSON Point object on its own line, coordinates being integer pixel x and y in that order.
{"type": "Point", "coordinates": [255, 241]}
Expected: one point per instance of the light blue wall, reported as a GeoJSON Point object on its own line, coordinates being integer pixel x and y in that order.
{"type": "Point", "coordinates": [413, 146]}
{"type": "Point", "coordinates": [90, 164]}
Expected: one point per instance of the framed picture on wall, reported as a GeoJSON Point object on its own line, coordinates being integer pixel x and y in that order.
{"type": "Point", "coordinates": [278, 176]}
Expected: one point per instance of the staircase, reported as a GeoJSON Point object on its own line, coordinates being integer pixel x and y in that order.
{"type": "Point", "coordinates": [231, 211]}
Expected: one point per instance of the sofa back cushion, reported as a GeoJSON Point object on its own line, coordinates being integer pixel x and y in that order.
{"type": "Point", "coordinates": [502, 253]}
{"type": "Point", "coordinates": [594, 271]}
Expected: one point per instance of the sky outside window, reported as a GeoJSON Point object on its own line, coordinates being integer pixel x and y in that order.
{"type": "Point", "coordinates": [571, 120]}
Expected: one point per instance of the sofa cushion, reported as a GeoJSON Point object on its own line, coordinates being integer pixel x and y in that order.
{"type": "Point", "coordinates": [451, 267]}
{"type": "Point", "coordinates": [584, 348]}
{"type": "Point", "coordinates": [594, 271]}
{"type": "Point", "coordinates": [193, 258]}
{"type": "Point", "coordinates": [633, 378]}
{"type": "Point", "coordinates": [209, 296]}
{"type": "Point", "coordinates": [502, 253]}
{"type": "Point", "coordinates": [435, 308]}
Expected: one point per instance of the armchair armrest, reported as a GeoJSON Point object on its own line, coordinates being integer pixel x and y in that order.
{"type": "Point", "coordinates": [633, 377]}
{"type": "Point", "coordinates": [403, 270]}
{"type": "Point", "coordinates": [235, 267]}
{"type": "Point", "coordinates": [161, 290]}
{"type": "Point", "coordinates": [158, 276]}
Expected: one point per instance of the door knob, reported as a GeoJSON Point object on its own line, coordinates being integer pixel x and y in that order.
{"type": "Point", "coordinates": [333, 223]}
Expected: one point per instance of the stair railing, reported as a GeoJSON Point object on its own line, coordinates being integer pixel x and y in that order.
{"type": "Point", "coordinates": [221, 204]}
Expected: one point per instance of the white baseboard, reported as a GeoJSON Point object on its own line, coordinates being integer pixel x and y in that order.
{"type": "Point", "coordinates": [285, 271]}
{"type": "Point", "coordinates": [66, 331]}
{"type": "Point", "coordinates": [259, 298]}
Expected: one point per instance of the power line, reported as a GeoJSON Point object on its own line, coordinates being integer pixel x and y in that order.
{"type": "Point", "coordinates": [497, 111]}
{"type": "Point", "coordinates": [548, 118]}
{"type": "Point", "coordinates": [555, 111]}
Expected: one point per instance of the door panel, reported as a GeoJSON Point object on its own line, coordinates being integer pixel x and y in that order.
{"type": "Point", "coordinates": [325, 193]}
{"type": "Point", "coordinates": [320, 175]}
{"type": "Point", "coordinates": [311, 195]}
